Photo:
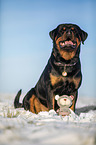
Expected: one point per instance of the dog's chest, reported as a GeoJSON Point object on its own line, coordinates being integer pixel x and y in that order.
{"type": "Point", "coordinates": [56, 80]}
{"type": "Point", "coordinates": [64, 84]}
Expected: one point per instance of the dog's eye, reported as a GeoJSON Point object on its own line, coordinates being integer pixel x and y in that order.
{"type": "Point", "coordinates": [72, 28]}
{"type": "Point", "coordinates": [64, 28]}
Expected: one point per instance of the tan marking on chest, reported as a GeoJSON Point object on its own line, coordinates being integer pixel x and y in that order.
{"type": "Point", "coordinates": [55, 79]}
{"type": "Point", "coordinates": [76, 82]}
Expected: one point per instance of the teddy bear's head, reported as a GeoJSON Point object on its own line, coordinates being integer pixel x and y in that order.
{"type": "Point", "coordinates": [64, 101]}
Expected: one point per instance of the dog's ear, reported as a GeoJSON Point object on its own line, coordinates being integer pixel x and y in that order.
{"type": "Point", "coordinates": [83, 36]}
{"type": "Point", "coordinates": [53, 34]}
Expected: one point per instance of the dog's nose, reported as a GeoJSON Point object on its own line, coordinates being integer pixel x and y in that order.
{"type": "Point", "coordinates": [68, 33]}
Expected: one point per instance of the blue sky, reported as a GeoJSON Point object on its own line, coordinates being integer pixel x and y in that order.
{"type": "Point", "coordinates": [25, 45]}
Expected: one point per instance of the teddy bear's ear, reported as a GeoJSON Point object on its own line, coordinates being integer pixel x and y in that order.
{"type": "Point", "coordinates": [72, 97]}
{"type": "Point", "coordinates": [56, 97]}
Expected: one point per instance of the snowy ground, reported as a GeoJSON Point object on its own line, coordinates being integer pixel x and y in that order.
{"type": "Point", "coordinates": [20, 127]}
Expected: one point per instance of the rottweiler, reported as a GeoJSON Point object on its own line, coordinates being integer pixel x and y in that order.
{"type": "Point", "coordinates": [62, 74]}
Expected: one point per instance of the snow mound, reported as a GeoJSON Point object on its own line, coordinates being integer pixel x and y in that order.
{"type": "Point", "coordinates": [18, 126]}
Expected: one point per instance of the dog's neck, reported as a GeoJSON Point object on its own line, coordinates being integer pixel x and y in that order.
{"type": "Point", "coordinates": [63, 67]}
{"type": "Point", "coordinates": [59, 59]}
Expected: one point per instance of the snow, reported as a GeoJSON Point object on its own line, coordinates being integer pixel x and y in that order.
{"type": "Point", "coordinates": [18, 126]}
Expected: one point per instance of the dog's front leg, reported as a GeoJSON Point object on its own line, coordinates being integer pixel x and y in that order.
{"type": "Point", "coordinates": [75, 94]}
{"type": "Point", "coordinates": [50, 98]}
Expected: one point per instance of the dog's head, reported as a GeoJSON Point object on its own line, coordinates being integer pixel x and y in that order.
{"type": "Point", "coordinates": [67, 39]}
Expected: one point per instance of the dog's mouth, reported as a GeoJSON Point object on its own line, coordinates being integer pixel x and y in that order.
{"type": "Point", "coordinates": [67, 45]}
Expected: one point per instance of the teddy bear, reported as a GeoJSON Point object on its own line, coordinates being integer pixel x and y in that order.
{"type": "Point", "coordinates": [64, 102]}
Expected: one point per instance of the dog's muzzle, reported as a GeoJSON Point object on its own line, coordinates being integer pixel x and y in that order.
{"type": "Point", "coordinates": [66, 45]}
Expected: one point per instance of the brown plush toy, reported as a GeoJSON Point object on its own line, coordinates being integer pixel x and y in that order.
{"type": "Point", "coordinates": [64, 102]}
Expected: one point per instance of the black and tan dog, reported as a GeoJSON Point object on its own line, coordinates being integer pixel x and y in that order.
{"type": "Point", "coordinates": [62, 75]}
